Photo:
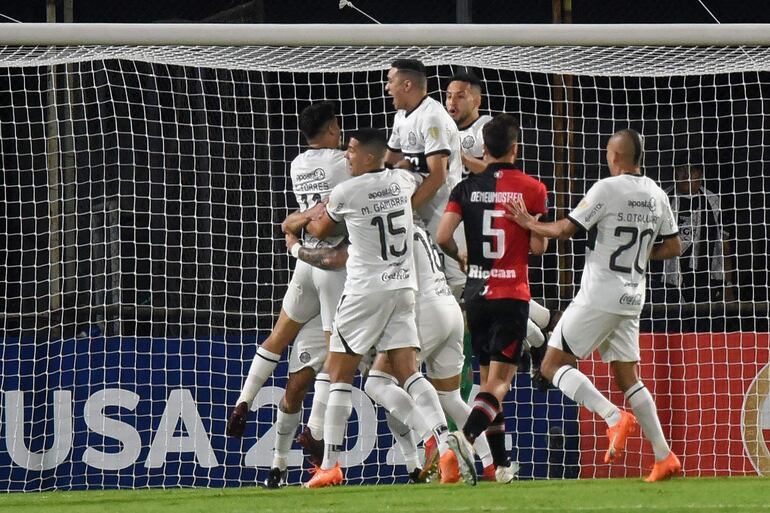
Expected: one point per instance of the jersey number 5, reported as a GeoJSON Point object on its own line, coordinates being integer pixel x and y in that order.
{"type": "Point", "coordinates": [392, 231]}
{"type": "Point", "coordinates": [489, 249]}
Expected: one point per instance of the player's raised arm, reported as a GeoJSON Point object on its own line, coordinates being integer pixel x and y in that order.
{"type": "Point", "coordinates": [517, 212]}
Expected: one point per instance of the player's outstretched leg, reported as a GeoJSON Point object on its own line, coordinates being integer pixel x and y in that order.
{"type": "Point", "coordinates": [262, 366]}
{"type": "Point", "coordinates": [641, 401]}
{"type": "Point", "coordinates": [311, 438]}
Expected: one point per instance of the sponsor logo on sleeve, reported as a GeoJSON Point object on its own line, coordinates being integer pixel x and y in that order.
{"type": "Point", "coordinates": [433, 132]}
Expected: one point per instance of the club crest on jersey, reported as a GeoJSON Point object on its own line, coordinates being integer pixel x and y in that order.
{"type": "Point", "coordinates": [412, 138]}
{"type": "Point", "coordinates": [316, 174]}
{"type": "Point", "coordinates": [468, 142]}
{"type": "Point", "coordinates": [304, 357]}
{"type": "Point", "coordinates": [392, 190]}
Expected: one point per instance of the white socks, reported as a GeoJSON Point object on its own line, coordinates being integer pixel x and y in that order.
{"type": "Point", "coordinates": [403, 435]}
{"type": "Point", "coordinates": [425, 397]}
{"type": "Point", "coordinates": [315, 422]}
{"type": "Point", "coordinates": [539, 314]}
{"type": "Point", "coordinates": [535, 336]}
{"type": "Point", "coordinates": [458, 410]}
{"type": "Point", "coordinates": [383, 389]}
{"type": "Point", "coordinates": [641, 401]}
{"type": "Point", "coordinates": [575, 385]}
{"type": "Point", "coordinates": [335, 421]}
{"type": "Point", "coordinates": [285, 427]}
{"type": "Point", "coordinates": [262, 366]}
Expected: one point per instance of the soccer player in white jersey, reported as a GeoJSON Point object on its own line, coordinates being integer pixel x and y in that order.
{"type": "Point", "coordinates": [312, 291]}
{"type": "Point", "coordinates": [440, 328]}
{"type": "Point", "coordinates": [424, 140]}
{"type": "Point", "coordinates": [377, 306]}
{"type": "Point", "coordinates": [625, 215]}
{"type": "Point", "coordinates": [463, 100]}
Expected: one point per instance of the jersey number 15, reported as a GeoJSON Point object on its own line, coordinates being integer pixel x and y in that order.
{"type": "Point", "coordinates": [390, 232]}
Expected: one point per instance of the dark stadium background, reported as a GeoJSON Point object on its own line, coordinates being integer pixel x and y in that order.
{"type": "Point", "coordinates": [224, 272]}
{"type": "Point", "coordinates": [396, 11]}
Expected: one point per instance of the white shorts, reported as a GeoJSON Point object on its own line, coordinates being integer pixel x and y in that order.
{"type": "Point", "coordinates": [309, 348]}
{"type": "Point", "coordinates": [441, 327]}
{"type": "Point", "coordinates": [384, 320]}
{"type": "Point", "coordinates": [313, 291]}
{"type": "Point", "coordinates": [585, 329]}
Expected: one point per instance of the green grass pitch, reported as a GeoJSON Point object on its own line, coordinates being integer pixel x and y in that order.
{"type": "Point", "coordinates": [606, 495]}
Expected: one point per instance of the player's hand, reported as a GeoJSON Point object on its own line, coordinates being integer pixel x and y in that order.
{"type": "Point", "coordinates": [517, 212]}
{"type": "Point", "coordinates": [291, 240]}
{"type": "Point", "coordinates": [316, 211]}
{"type": "Point", "coordinates": [462, 259]}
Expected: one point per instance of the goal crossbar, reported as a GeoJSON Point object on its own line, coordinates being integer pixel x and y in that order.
{"type": "Point", "coordinates": [356, 34]}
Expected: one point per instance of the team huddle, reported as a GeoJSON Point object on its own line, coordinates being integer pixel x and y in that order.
{"type": "Point", "coordinates": [392, 232]}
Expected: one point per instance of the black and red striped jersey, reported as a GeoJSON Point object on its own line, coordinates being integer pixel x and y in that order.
{"type": "Point", "coordinates": [498, 249]}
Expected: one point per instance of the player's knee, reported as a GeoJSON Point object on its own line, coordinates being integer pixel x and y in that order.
{"type": "Point", "coordinates": [376, 384]}
{"type": "Point", "coordinates": [296, 389]}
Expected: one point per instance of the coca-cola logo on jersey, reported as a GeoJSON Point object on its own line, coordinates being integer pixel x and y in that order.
{"type": "Point", "coordinates": [392, 190]}
{"type": "Point", "coordinates": [316, 174]}
{"type": "Point", "coordinates": [397, 274]}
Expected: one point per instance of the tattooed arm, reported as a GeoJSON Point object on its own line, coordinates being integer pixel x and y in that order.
{"type": "Point", "coordinates": [328, 259]}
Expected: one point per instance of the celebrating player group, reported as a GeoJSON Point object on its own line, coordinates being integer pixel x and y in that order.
{"type": "Point", "coordinates": [372, 292]}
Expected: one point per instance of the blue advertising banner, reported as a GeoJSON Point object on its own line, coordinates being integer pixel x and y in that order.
{"type": "Point", "coordinates": [130, 412]}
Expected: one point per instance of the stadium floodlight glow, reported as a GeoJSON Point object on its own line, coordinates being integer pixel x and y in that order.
{"type": "Point", "coordinates": [145, 176]}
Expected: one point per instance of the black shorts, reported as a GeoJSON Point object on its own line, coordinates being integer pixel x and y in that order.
{"type": "Point", "coordinates": [498, 328]}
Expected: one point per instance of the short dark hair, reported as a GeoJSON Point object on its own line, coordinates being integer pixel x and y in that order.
{"type": "Point", "coordinates": [371, 138]}
{"type": "Point", "coordinates": [500, 134]}
{"type": "Point", "coordinates": [314, 118]}
{"type": "Point", "coordinates": [638, 142]}
{"type": "Point", "coordinates": [414, 69]}
{"type": "Point", "coordinates": [468, 77]}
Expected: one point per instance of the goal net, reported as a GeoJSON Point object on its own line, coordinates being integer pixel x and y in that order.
{"type": "Point", "coordinates": [141, 260]}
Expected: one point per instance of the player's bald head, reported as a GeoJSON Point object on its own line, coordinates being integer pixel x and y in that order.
{"type": "Point", "coordinates": [628, 144]}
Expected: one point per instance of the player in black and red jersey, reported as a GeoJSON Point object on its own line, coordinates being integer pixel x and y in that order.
{"type": "Point", "coordinates": [497, 290]}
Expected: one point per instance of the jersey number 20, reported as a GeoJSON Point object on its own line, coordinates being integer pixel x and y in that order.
{"type": "Point", "coordinates": [645, 238]}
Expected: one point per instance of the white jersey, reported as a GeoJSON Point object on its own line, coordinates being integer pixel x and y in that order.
{"type": "Point", "coordinates": [472, 139]}
{"type": "Point", "coordinates": [623, 215]}
{"type": "Point", "coordinates": [424, 131]}
{"type": "Point", "coordinates": [314, 174]}
{"type": "Point", "coordinates": [377, 209]}
{"type": "Point", "coordinates": [431, 282]}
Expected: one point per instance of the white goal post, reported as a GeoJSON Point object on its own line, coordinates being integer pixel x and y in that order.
{"type": "Point", "coordinates": [145, 175]}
